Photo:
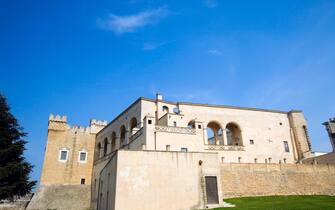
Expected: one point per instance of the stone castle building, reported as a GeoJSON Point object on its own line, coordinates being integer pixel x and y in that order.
{"type": "Point", "coordinates": [177, 155]}
{"type": "Point", "coordinates": [69, 152]}
{"type": "Point", "coordinates": [330, 127]}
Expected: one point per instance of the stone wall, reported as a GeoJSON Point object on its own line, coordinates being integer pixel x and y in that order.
{"type": "Point", "coordinates": [13, 206]}
{"type": "Point", "coordinates": [75, 139]}
{"type": "Point", "coordinates": [276, 179]}
{"type": "Point", "coordinates": [328, 158]}
{"type": "Point", "coordinates": [61, 197]}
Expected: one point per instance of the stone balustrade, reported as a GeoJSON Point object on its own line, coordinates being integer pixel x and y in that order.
{"type": "Point", "coordinates": [224, 147]}
{"type": "Point", "coordinates": [171, 129]}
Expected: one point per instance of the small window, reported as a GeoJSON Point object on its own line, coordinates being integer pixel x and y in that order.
{"type": "Point", "coordinates": [255, 160]}
{"type": "Point", "coordinates": [270, 160]}
{"type": "Point", "coordinates": [149, 121]}
{"type": "Point", "coordinates": [82, 156]}
{"type": "Point", "coordinates": [199, 126]}
{"type": "Point", "coordinates": [82, 181]}
{"type": "Point", "coordinates": [167, 147]}
{"type": "Point", "coordinates": [239, 159]}
{"type": "Point", "coordinates": [284, 160]}
{"type": "Point", "coordinates": [287, 149]}
{"type": "Point", "coordinates": [222, 159]}
{"type": "Point", "coordinates": [251, 141]}
{"type": "Point", "coordinates": [183, 149]}
{"type": "Point", "coordinates": [280, 123]}
{"type": "Point", "coordinates": [63, 155]}
{"type": "Point", "coordinates": [174, 123]}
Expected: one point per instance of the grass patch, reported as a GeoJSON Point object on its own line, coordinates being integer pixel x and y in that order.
{"type": "Point", "coordinates": [292, 202]}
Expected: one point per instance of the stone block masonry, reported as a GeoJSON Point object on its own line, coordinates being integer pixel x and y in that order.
{"type": "Point", "coordinates": [242, 180]}
{"type": "Point", "coordinates": [61, 197]}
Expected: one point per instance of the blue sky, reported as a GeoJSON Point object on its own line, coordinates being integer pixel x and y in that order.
{"type": "Point", "coordinates": [91, 59]}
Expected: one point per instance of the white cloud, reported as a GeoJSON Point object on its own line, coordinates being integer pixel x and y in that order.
{"type": "Point", "coordinates": [214, 52]}
{"type": "Point", "coordinates": [125, 24]}
{"type": "Point", "coordinates": [210, 3]}
{"type": "Point", "coordinates": [152, 46]}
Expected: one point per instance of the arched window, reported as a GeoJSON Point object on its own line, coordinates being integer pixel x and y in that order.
{"type": "Point", "coordinates": [113, 141]}
{"type": "Point", "coordinates": [191, 124]}
{"type": "Point", "coordinates": [132, 124]}
{"type": "Point", "coordinates": [233, 133]}
{"type": "Point", "coordinates": [214, 133]}
{"type": "Point", "coordinates": [122, 135]}
{"type": "Point", "coordinates": [105, 146]}
{"type": "Point", "coordinates": [165, 109]}
{"type": "Point", "coordinates": [98, 151]}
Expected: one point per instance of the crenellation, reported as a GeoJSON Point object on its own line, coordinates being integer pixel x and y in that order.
{"type": "Point", "coordinates": [98, 122]}
{"type": "Point", "coordinates": [74, 139]}
{"type": "Point", "coordinates": [58, 118]}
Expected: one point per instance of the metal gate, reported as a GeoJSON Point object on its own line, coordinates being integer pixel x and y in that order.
{"type": "Point", "coordinates": [211, 190]}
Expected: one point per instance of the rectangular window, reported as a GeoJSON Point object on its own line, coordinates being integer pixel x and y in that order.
{"type": "Point", "coordinates": [82, 181]}
{"type": "Point", "coordinates": [183, 149]}
{"type": "Point", "coordinates": [63, 155]}
{"type": "Point", "coordinates": [287, 149]}
{"type": "Point", "coordinates": [255, 160]}
{"type": "Point", "coordinates": [199, 126]}
{"type": "Point", "coordinates": [239, 159]}
{"type": "Point", "coordinates": [82, 156]}
{"type": "Point", "coordinates": [251, 141]}
{"type": "Point", "coordinates": [149, 121]}
{"type": "Point", "coordinates": [167, 147]}
{"type": "Point", "coordinates": [174, 123]}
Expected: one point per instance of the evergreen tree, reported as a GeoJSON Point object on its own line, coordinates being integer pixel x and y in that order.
{"type": "Point", "coordinates": [14, 169]}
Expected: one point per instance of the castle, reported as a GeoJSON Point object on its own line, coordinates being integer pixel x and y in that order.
{"type": "Point", "coordinates": [158, 154]}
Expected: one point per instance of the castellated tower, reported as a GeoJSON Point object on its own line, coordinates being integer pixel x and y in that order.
{"type": "Point", "coordinates": [300, 135]}
{"type": "Point", "coordinates": [69, 152]}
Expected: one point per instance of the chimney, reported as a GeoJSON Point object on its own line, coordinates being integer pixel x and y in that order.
{"type": "Point", "coordinates": [159, 97]}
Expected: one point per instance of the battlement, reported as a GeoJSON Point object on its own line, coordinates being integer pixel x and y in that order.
{"type": "Point", "coordinates": [58, 118]}
{"type": "Point", "coordinates": [98, 122]}
{"type": "Point", "coordinates": [81, 129]}
{"type": "Point", "coordinates": [59, 122]}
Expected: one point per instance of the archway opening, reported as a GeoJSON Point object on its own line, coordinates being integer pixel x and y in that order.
{"type": "Point", "coordinates": [132, 124]}
{"type": "Point", "coordinates": [122, 135]}
{"type": "Point", "coordinates": [191, 124]}
{"type": "Point", "coordinates": [165, 109]}
{"type": "Point", "coordinates": [98, 151]}
{"type": "Point", "coordinates": [113, 141]}
{"type": "Point", "coordinates": [214, 133]}
{"type": "Point", "coordinates": [105, 146]}
{"type": "Point", "coordinates": [233, 133]}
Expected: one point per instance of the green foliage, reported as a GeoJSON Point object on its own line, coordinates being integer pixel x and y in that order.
{"type": "Point", "coordinates": [292, 202]}
{"type": "Point", "coordinates": [14, 170]}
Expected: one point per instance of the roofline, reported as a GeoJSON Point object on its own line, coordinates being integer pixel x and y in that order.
{"type": "Point", "coordinates": [222, 106]}
{"type": "Point", "coordinates": [195, 104]}
{"type": "Point", "coordinates": [124, 111]}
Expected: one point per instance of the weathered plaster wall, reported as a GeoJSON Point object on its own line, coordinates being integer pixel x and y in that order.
{"type": "Point", "coordinates": [154, 180]}
{"type": "Point", "coordinates": [276, 179]}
